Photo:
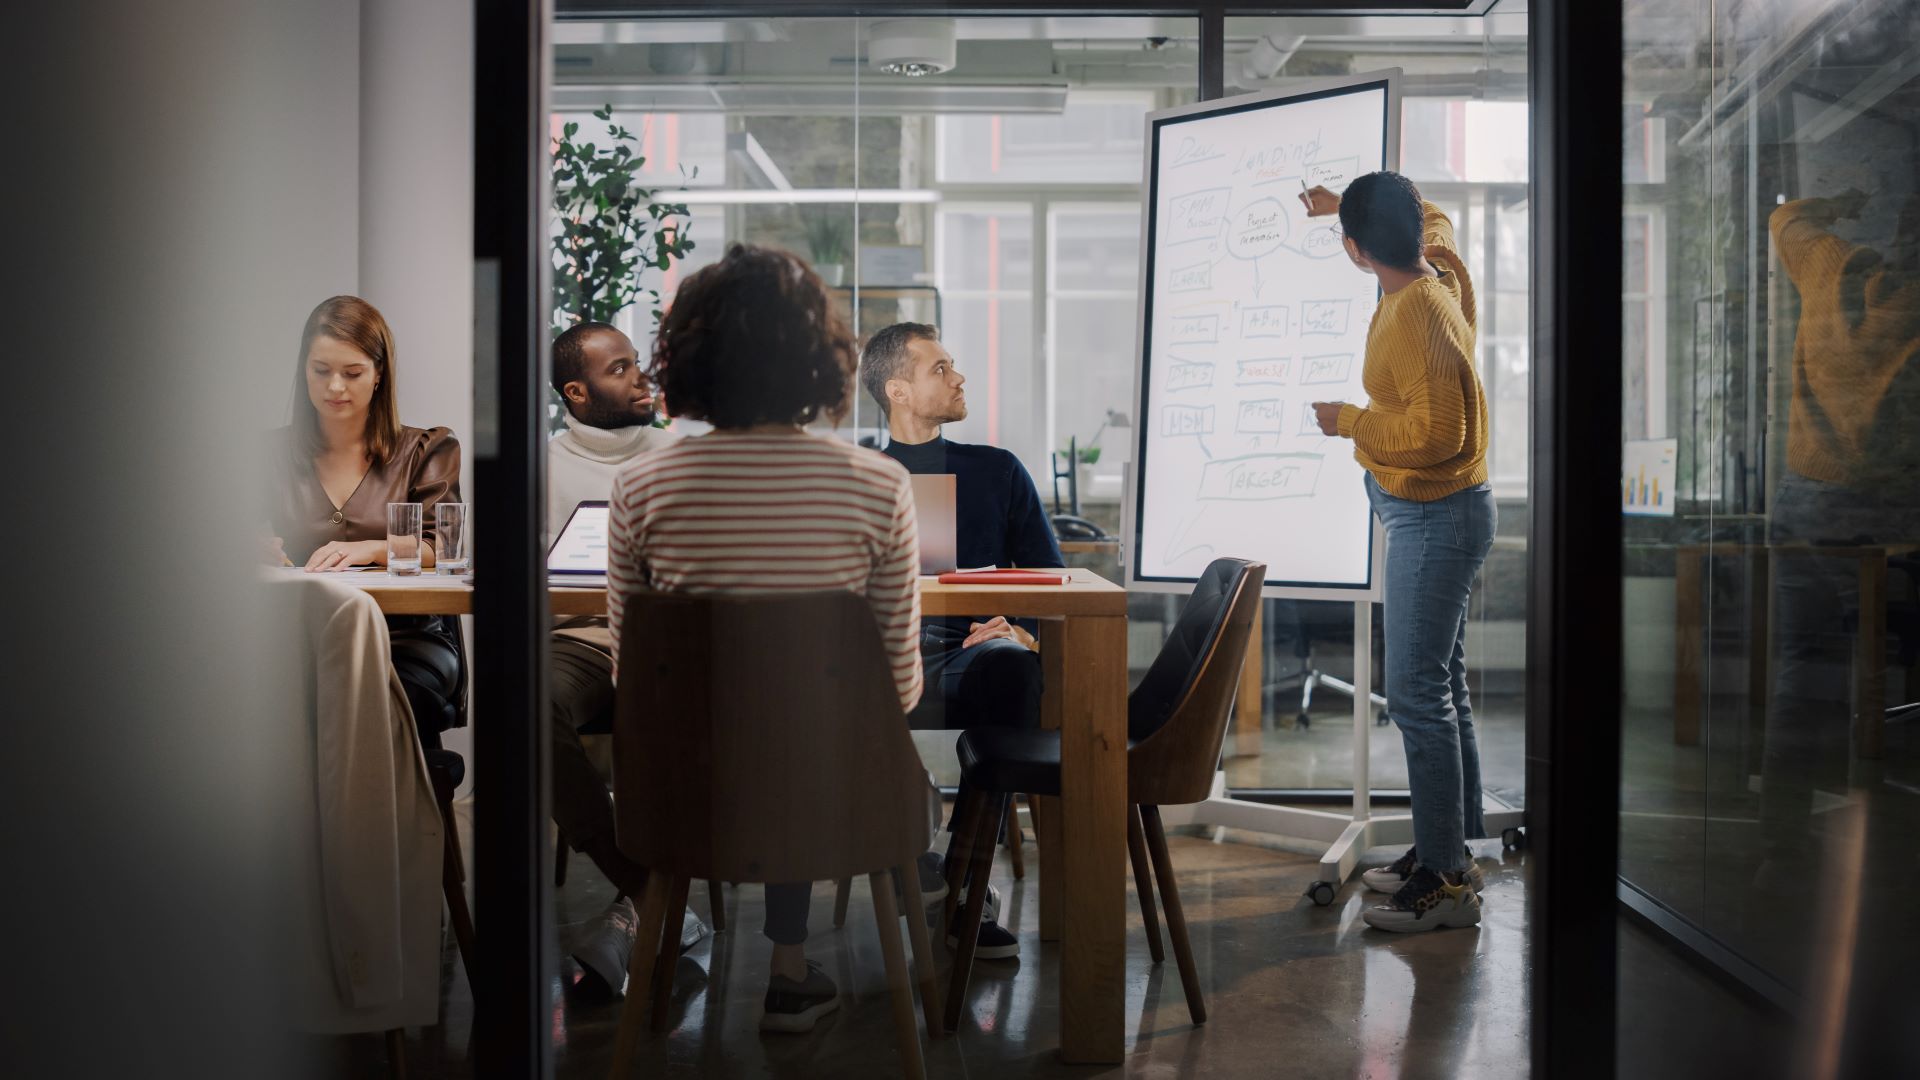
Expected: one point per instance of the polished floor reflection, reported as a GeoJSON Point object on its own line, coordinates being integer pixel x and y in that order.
{"type": "Point", "coordinates": [1286, 982]}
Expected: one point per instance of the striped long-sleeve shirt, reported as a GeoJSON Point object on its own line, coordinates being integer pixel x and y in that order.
{"type": "Point", "coordinates": [731, 512]}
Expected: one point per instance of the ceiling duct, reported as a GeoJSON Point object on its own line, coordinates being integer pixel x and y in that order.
{"type": "Point", "coordinates": [900, 98]}
{"type": "Point", "coordinates": [1268, 54]}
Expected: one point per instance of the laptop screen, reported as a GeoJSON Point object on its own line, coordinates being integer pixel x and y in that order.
{"type": "Point", "coordinates": [933, 504]}
{"type": "Point", "coordinates": [581, 547]}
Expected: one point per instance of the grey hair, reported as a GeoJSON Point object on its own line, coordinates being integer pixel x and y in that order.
{"type": "Point", "coordinates": [885, 357]}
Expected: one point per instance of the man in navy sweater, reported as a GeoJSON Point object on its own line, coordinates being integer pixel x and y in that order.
{"type": "Point", "coordinates": [978, 674]}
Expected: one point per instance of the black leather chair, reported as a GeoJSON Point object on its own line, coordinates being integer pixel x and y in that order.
{"type": "Point", "coordinates": [1176, 720]}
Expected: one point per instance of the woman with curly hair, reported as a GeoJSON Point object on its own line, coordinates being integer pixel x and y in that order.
{"type": "Point", "coordinates": [752, 346]}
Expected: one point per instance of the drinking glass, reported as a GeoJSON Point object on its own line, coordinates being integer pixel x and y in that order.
{"type": "Point", "coordinates": [452, 543]}
{"type": "Point", "coordinates": [403, 538]}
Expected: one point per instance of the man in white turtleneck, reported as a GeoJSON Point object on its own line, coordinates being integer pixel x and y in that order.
{"type": "Point", "coordinates": [610, 418]}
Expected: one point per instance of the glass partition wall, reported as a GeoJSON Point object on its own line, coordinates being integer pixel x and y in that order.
{"type": "Point", "coordinates": [1464, 143]}
{"type": "Point", "coordinates": [1770, 798]}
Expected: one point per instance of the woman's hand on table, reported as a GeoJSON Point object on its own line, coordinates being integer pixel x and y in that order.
{"type": "Point", "coordinates": [344, 554]}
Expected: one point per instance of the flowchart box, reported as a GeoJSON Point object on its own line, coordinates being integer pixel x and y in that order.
{"type": "Point", "coordinates": [1186, 420]}
{"type": "Point", "coordinates": [1325, 316]}
{"type": "Point", "coordinates": [1259, 417]}
{"type": "Point", "coordinates": [1186, 375]}
{"type": "Point", "coordinates": [1265, 371]}
{"type": "Point", "coordinates": [1193, 330]}
{"type": "Point", "coordinates": [1260, 477]}
{"type": "Point", "coordinates": [1325, 370]}
{"type": "Point", "coordinates": [1266, 321]}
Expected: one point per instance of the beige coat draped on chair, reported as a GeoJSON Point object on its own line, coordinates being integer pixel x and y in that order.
{"type": "Point", "coordinates": [367, 838]}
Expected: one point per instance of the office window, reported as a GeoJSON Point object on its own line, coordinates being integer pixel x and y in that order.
{"type": "Point", "coordinates": [985, 277]}
{"type": "Point", "coordinates": [1093, 257]}
{"type": "Point", "coordinates": [1096, 138]}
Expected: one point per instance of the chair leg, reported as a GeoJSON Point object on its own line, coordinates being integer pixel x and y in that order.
{"type": "Point", "coordinates": [967, 931]}
{"type": "Point", "coordinates": [840, 897]}
{"type": "Point", "coordinates": [559, 859]}
{"type": "Point", "coordinates": [716, 905]}
{"type": "Point", "coordinates": [669, 956]}
{"type": "Point", "coordinates": [453, 884]}
{"type": "Point", "coordinates": [653, 909]}
{"type": "Point", "coordinates": [1016, 841]}
{"type": "Point", "coordinates": [899, 988]}
{"type": "Point", "coordinates": [917, 937]}
{"type": "Point", "coordinates": [1176, 917]}
{"type": "Point", "coordinates": [960, 850]}
{"type": "Point", "coordinates": [1143, 882]}
{"type": "Point", "coordinates": [397, 1053]}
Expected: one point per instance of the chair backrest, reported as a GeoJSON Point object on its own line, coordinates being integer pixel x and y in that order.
{"type": "Point", "coordinates": [1177, 716]}
{"type": "Point", "coordinates": [760, 738]}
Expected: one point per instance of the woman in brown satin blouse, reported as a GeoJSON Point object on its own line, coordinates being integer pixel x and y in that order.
{"type": "Point", "coordinates": [346, 456]}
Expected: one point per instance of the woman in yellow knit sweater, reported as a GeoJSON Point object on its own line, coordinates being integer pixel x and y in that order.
{"type": "Point", "coordinates": [1423, 442]}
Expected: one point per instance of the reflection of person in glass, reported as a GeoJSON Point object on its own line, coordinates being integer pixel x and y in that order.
{"type": "Point", "coordinates": [1852, 479]}
{"type": "Point", "coordinates": [1423, 441]}
{"type": "Point", "coordinates": [345, 457]}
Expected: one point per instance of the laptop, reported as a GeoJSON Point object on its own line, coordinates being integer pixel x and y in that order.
{"type": "Point", "coordinates": [578, 557]}
{"type": "Point", "coordinates": [934, 504]}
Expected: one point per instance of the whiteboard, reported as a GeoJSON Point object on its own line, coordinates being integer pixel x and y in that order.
{"type": "Point", "coordinates": [1250, 312]}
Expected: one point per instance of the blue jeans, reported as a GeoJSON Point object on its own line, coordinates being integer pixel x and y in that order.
{"type": "Point", "coordinates": [1434, 551]}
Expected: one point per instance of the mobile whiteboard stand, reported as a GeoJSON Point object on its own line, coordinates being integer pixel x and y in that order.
{"type": "Point", "coordinates": [1347, 835]}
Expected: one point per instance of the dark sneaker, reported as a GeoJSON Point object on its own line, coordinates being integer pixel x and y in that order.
{"type": "Point", "coordinates": [994, 942]}
{"type": "Point", "coordinates": [933, 883]}
{"type": "Point", "coordinates": [1389, 878]}
{"type": "Point", "coordinates": [1427, 901]}
{"type": "Point", "coordinates": [794, 1007]}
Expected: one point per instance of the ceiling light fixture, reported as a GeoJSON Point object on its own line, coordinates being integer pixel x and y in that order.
{"type": "Point", "coordinates": [914, 48]}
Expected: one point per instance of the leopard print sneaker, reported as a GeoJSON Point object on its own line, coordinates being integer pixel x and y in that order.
{"type": "Point", "coordinates": [1390, 878]}
{"type": "Point", "coordinates": [1427, 901]}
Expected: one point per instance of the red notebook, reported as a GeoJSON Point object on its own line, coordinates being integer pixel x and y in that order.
{"type": "Point", "coordinates": [1004, 577]}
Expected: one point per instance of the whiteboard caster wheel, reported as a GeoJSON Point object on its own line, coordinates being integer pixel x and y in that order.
{"type": "Point", "coordinates": [1321, 893]}
{"type": "Point", "coordinates": [1303, 720]}
{"type": "Point", "coordinates": [1512, 838]}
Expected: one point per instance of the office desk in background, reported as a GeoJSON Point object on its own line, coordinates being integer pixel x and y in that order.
{"type": "Point", "coordinates": [1083, 647]}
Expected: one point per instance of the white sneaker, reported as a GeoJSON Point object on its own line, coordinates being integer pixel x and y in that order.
{"type": "Point", "coordinates": [1426, 902]}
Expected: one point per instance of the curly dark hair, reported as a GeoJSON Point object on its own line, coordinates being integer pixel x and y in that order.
{"type": "Point", "coordinates": [754, 339]}
{"type": "Point", "coordinates": [1382, 212]}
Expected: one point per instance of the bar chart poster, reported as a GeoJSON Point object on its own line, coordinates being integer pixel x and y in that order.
{"type": "Point", "coordinates": [1648, 472]}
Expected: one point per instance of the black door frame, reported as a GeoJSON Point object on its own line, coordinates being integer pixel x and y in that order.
{"type": "Point", "coordinates": [512, 899]}
{"type": "Point", "coordinates": [1574, 607]}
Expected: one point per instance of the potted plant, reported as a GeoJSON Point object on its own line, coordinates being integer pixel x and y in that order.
{"type": "Point", "coordinates": [609, 230]}
{"type": "Point", "coordinates": [828, 230]}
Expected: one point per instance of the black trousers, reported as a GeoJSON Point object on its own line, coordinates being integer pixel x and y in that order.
{"type": "Point", "coordinates": [996, 683]}
{"type": "Point", "coordinates": [426, 657]}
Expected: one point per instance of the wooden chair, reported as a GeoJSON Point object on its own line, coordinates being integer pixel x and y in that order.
{"type": "Point", "coordinates": [1176, 721]}
{"type": "Point", "coordinates": [759, 738]}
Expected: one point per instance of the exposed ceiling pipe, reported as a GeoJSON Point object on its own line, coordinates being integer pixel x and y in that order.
{"type": "Point", "coordinates": [1268, 55]}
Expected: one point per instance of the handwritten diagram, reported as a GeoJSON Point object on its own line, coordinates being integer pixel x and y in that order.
{"type": "Point", "coordinates": [1255, 313]}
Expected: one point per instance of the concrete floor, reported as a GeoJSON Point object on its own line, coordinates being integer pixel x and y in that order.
{"type": "Point", "coordinates": [1290, 988]}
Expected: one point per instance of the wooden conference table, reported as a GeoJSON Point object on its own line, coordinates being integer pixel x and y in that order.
{"type": "Point", "coordinates": [1083, 650]}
